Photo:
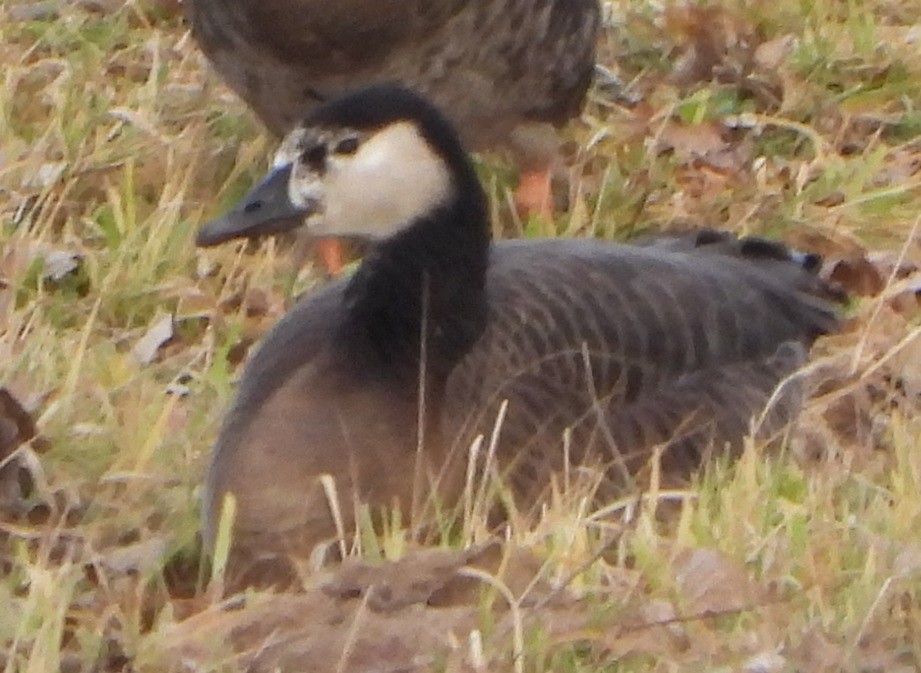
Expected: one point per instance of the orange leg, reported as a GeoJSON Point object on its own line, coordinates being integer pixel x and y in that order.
{"type": "Point", "coordinates": [534, 195]}
{"type": "Point", "coordinates": [331, 255]}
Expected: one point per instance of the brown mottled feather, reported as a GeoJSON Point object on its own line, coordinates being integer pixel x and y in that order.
{"type": "Point", "coordinates": [627, 346]}
{"type": "Point", "coordinates": [492, 64]}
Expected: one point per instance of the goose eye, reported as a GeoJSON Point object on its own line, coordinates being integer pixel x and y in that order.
{"type": "Point", "coordinates": [347, 145]}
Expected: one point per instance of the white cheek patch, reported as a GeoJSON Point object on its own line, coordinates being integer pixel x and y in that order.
{"type": "Point", "coordinates": [306, 192]}
{"type": "Point", "coordinates": [393, 178]}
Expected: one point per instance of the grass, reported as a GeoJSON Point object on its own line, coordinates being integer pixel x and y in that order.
{"type": "Point", "coordinates": [798, 120]}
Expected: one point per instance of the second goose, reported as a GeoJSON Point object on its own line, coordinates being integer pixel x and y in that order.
{"type": "Point", "coordinates": [625, 346]}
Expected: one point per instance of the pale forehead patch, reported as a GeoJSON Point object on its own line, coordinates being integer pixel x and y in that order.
{"type": "Point", "coordinates": [289, 150]}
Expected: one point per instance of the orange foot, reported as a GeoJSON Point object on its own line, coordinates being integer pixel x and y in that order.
{"type": "Point", "coordinates": [534, 195]}
{"type": "Point", "coordinates": [331, 255]}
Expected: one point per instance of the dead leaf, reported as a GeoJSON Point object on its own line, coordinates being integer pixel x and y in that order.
{"type": "Point", "coordinates": [830, 200]}
{"type": "Point", "coordinates": [890, 265]}
{"type": "Point", "coordinates": [20, 255]}
{"type": "Point", "coordinates": [856, 276]}
{"type": "Point", "coordinates": [406, 627]}
{"type": "Point", "coordinates": [690, 141]}
{"type": "Point", "coordinates": [255, 302]}
{"type": "Point", "coordinates": [141, 557]}
{"type": "Point", "coordinates": [715, 42]}
{"type": "Point", "coordinates": [43, 10]}
{"type": "Point", "coordinates": [657, 632]}
{"type": "Point", "coordinates": [830, 245]}
{"type": "Point", "coordinates": [58, 263]}
{"type": "Point", "coordinates": [819, 654]}
{"type": "Point", "coordinates": [145, 350]}
{"type": "Point", "coordinates": [908, 560]}
{"type": "Point", "coordinates": [867, 273]}
{"type": "Point", "coordinates": [193, 303]}
{"type": "Point", "coordinates": [765, 662]}
{"type": "Point", "coordinates": [713, 583]}
{"type": "Point", "coordinates": [907, 299]}
{"type": "Point", "coordinates": [771, 54]}
{"type": "Point", "coordinates": [900, 166]}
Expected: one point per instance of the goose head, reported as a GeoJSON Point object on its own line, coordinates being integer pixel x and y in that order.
{"type": "Point", "coordinates": [366, 165]}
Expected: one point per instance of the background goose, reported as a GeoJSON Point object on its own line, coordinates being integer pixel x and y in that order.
{"type": "Point", "coordinates": [506, 71]}
{"type": "Point", "coordinates": [627, 345]}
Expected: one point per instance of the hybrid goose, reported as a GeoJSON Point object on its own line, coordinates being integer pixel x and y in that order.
{"type": "Point", "coordinates": [505, 71]}
{"type": "Point", "coordinates": [626, 347]}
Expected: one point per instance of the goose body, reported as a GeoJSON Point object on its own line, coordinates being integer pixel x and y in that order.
{"type": "Point", "coordinates": [625, 346]}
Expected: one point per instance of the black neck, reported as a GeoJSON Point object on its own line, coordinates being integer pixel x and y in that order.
{"type": "Point", "coordinates": [434, 271]}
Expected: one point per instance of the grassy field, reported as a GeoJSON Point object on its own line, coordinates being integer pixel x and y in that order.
{"type": "Point", "coordinates": [121, 341]}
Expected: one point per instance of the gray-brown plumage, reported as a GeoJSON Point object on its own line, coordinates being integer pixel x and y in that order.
{"type": "Point", "coordinates": [492, 64]}
{"type": "Point", "coordinates": [682, 342]}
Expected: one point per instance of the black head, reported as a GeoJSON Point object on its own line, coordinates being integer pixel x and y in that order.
{"type": "Point", "coordinates": [367, 164]}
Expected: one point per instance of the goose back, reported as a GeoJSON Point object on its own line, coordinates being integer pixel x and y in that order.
{"type": "Point", "coordinates": [627, 347]}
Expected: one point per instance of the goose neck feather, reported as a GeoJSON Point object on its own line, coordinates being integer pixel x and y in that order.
{"type": "Point", "coordinates": [433, 272]}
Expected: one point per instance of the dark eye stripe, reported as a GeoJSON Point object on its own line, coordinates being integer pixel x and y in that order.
{"type": "Point", "coordinates": [315, 156]}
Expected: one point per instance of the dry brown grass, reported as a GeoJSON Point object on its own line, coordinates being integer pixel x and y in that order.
{"type": "Point", "coordinates": [801, 120]}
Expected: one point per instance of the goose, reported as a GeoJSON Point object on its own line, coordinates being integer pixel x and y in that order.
{"type": "Point", "coordinates": [506, 71]}
{"type": "Point", "coordinates": [394, 371]}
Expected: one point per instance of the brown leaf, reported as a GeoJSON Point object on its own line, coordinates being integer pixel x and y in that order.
{"type": "Point", "coordinates": [830, 200]}
{"type": "Point", "coordinates": [819, 654]}
{"type": "Point", "coordinates": [771, 54]}
{"type": "Point", "coordinates": [907, 301]}
{"type": "Point", "coordinates": [391, 586]}
{"type": "Point", "coordinates": [831, 245]}
{"type": "Point", "coordinates": [255, 302]}
{"type": "Point", "coordinates": [338, 622]}
{"type": "Point", "coordinates": [713, 583]}
{"type": "Point", "coordinates": [901, 165]}
{"type": "Point", "coordinates": [690, 141]}
{"type": "Point", "coordinates": [657, 633]}
{"type": "Point", "coordinates": [867, 273]}
{"type": "Point", "coordinates": [193, 303]}
{"type": "Point", "coordinates": [715, 42]}
{"type": "Point", "coordinates": [856, 276]}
